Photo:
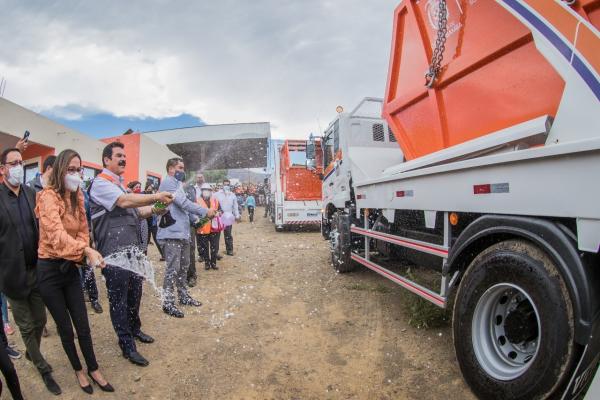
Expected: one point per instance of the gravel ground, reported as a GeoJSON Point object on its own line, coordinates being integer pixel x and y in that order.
{"type": "Point", "coordinates": [277, 323]}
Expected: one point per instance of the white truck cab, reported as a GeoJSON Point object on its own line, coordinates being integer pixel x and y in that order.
{"type": "Point", "coordinates": [348, 155]}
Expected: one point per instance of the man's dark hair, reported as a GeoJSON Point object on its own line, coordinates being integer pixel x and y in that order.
{"type": "Point", "coordinates": [108, 151]}
{"type": "Point", "coordinates": [6, 152]}
{"type": "Point", "coordinates": [171, 162]}
{"type": "Point", "coordinates": [226, 180]}
{"type": "Point", "coordinates": [49, 162]}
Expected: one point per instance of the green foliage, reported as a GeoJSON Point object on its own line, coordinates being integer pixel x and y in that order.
{"type": "Point", "coordinates": [423, 314]}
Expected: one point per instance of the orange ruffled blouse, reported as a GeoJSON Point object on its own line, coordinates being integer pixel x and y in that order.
{"type": "Point", "coordinates": [63, 234]}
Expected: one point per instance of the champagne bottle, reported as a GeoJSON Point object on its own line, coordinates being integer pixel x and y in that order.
{"type": "Point", "coordinates": [200, 222]}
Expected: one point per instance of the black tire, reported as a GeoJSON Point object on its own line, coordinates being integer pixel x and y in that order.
{"type": "Point", "coordinates": [325, 228]}
{"type": "Point", "coordinates": [340, 240]}
{"type": "Point", "coordinates": [279, 228]}
{"type": "Point", "coordinates": [522, 277]}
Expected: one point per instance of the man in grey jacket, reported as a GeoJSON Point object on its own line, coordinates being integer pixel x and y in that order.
{"type": "Point", "coordinates": [175, 238]}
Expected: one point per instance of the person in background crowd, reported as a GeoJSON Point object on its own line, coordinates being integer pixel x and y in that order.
{"type": "Point", "coordinates": [87, 276]}
{"type": "Point", "coordinates": [65, 241]}
{"type": "Point", "coordinates": [191, 274]}
{"type": "Point", "coordinates": [37, 184]}
{"type": "Point", "coordinates": [197, 186]}
{"type": "Point", "coordinates": [41, 180]}
{"type": "Point", "coordinates": [199, 183]}
{"type": "Point", "coordinates": [175, 239]}
{"type": "Point", "coordinates": [228, 203]}
{"type": "Point", "coordinates": [19, 244]}
{"type": "Point", "coordinates": [115, 226]}
{"type": "Point", "coordinates": [8, 369]}
{"type": "Point", "coordinates": [136, 187]}
{"type": "Point", "coordinates": [208, 241]}
{"type": "Point", "coordinates": [251, 205]}
{"type": "Point", "coordinates": [153, 222]}
{"type": "Point", "coordinates": [240, 201]}
{"type": "Point", "coordinates": [8, 330]}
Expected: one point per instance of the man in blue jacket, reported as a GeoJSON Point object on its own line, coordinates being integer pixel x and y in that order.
{"type": "Point", "coordinates": [175, 238]}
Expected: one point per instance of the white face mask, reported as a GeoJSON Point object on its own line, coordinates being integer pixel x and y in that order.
{"type": "Point", "coordinates": [72, 182]}
{"type": "Point", "coordinates": [15, 175]}
{"type": "Point", "coordinates": [226, 189]}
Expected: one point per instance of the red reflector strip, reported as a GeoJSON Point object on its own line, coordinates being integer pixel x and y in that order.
{"type": "Point", "coordinates": [482, 189]}
{"type": "Point", "coordinates": [404, 193]}
{"type": "Point", "coordinates": [361, 196]}
{"type": "Point", "coordinates": [491, 188]}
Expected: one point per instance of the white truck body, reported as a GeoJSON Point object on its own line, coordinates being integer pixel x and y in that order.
{"type": "Point", "coordinates": [534, 184]}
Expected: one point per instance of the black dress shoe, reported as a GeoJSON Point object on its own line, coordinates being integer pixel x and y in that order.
{"type": "Point", "coordinates": [142, 337]}
{"type": "Point", "coordinates": [214, 266]}
{"type": "Point", "coordinates": [97, 307]}
{"type": "Point", "coordinates": [136, 358]}
{"type": "Point", "coordinates": [106, 388]}
{"type": "Point", "coordinates": [173, 311]}
{"type": "Point", "coordinates": [88, 389]}
{"type": "Point", "coordinates": [207, 266]}
{"type": "Point", "coordinates": [230, 253]}
{"type": "Point", "coordinates": [189, 301]}
{"type": "Point", "coordinates": [219, 257]}
{"type": "Point", "coordinates": [51, 384]}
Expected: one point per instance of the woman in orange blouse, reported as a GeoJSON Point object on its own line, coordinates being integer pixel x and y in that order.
{"type": "Point", "coordinates": [64, 242]}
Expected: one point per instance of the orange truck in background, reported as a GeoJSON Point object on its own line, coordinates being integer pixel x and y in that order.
{"type": "Point", "coordinates": [296, 186]}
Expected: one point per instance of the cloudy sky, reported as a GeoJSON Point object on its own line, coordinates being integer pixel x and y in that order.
{"type": "Point", "coordinates": [103, 65]}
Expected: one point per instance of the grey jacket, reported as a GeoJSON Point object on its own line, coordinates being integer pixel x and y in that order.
{"type": "Point", "coordinates": [182, 211]}
{"type": "Point", "coordinates": [36, 183]}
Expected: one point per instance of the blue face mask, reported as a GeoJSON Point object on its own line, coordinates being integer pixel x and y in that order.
{"type": "Point", "coordinates": [180, 176]}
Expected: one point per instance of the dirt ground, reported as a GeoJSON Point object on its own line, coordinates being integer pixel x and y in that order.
{"type": "Point", "coordinates": [277, 323]}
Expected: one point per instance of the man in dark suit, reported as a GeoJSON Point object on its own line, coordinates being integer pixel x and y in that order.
{"type": "Point", "coordinates": [191, 194]}
{"type": "Point", "coordinates": [18, 252]}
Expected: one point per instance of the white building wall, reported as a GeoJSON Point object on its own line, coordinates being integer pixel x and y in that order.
{"type": "Point", "coordinates": [15, 120]}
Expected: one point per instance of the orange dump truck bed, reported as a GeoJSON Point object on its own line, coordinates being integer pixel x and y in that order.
{"type": "Point", "coordinates": [299, 183]}
{"type": "Point", "coordinates": [492, 74]}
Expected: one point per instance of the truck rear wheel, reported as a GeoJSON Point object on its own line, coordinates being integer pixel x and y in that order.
{"type": "Point", "coordinates": [513, 323]}
{"type": "Point", "coordinates": [340, 241]}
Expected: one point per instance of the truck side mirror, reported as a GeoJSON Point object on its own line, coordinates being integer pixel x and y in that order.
{"type": "Point", "coordinates": [310, 150]}
{"type": "Point", "coordinates": [311, 163]}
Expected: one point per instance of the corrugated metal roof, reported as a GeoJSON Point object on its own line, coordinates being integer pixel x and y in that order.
{"type": "Point", "coordinates": [209, 133]}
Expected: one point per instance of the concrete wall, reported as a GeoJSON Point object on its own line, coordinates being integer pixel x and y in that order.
{"type": "Point", "coordinates": [144, 157]}
{"type": "Point", "coordinates": [153, 159]}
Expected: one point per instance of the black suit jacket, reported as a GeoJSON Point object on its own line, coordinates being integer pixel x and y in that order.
{"type": "Point", "coordinates": [13, 274]}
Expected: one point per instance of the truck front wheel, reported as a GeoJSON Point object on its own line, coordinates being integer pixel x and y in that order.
{"type": "Point", "coordinates": [340, 241]}
{"type": "Point", "coordinates": [513, 323]}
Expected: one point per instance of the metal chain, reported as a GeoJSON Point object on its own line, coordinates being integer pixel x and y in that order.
{"type": "Point", "coordinates": [440, 45]}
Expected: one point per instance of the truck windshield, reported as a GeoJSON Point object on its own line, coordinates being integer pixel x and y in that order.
{"type": "Point", "coordinates": [298, 158]}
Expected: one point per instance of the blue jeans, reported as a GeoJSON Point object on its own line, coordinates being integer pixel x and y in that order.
{"type": "Point", "coordinates": [4, 309]}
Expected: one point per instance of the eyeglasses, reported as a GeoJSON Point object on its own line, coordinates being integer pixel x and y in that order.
{"type": "Point", "coordinates": [14, 163]}
{"type": "Point", "coordinates": [74, 170]}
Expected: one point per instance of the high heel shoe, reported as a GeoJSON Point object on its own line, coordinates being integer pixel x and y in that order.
{"type": "Point", "coordinates": [88, 389]}
{"type": "Point", "coordinates": [106, 388]}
